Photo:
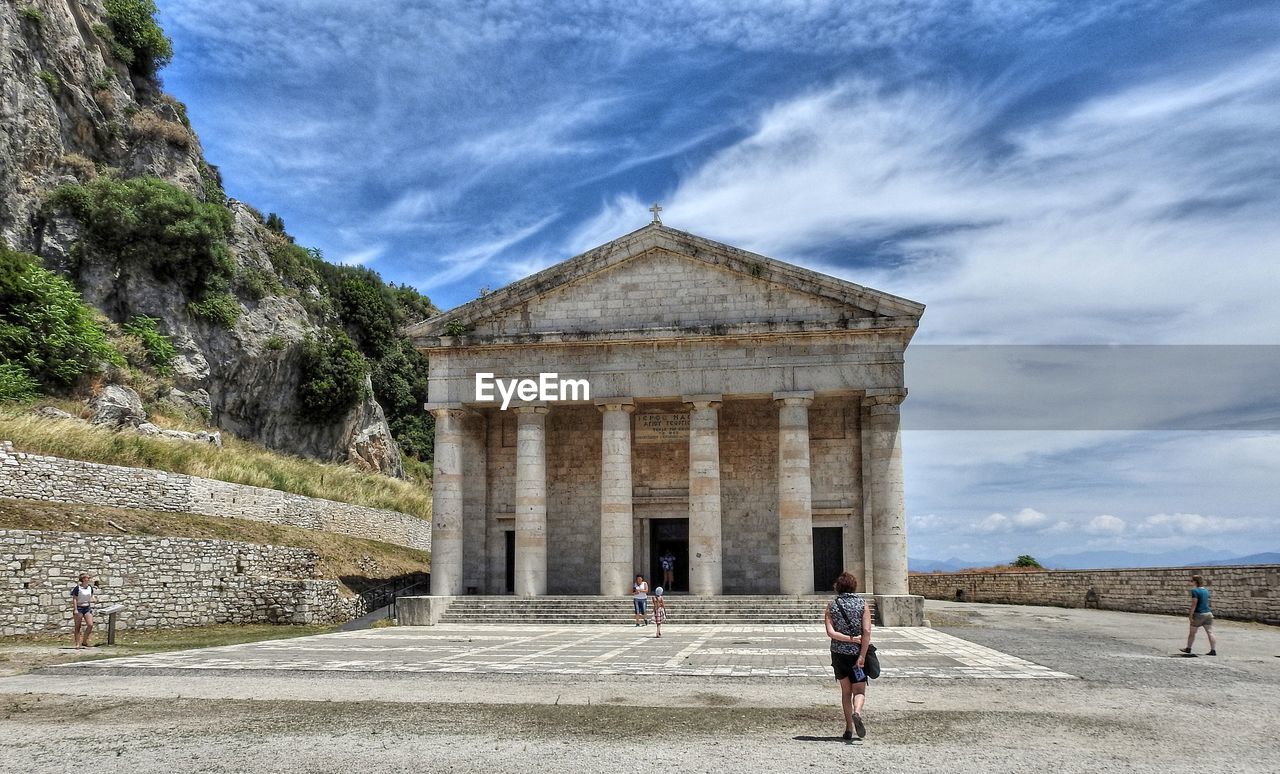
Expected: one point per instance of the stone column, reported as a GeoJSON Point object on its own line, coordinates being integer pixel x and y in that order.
{"type": "Point", "coordinates": [706, 561]}
{"type": "Point", "coordinates": [795, 494]}
{"type": "Point", "coordinates": [616, 542]}
{"type": "Point", "coordinates": [446, 502]}
{"type": "Point", "coordinates": [531, 501]}
{"type": "Point", "coordinates": [882, 480]}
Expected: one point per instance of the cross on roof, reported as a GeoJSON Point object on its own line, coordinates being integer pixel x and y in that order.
{"type": "Point", "coordinates": [655, 209]}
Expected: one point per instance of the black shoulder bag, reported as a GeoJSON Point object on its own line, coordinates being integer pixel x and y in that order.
{"type": "Point", "coordinates": [870, 665]}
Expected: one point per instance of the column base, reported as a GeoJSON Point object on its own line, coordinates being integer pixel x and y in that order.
{"type": "Point", "coordinates": [900, 609]}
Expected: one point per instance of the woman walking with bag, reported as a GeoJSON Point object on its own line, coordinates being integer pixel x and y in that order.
{"type": "Point", "coordinates": [848, 621]}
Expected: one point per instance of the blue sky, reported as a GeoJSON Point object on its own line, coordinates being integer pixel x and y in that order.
{"type": "Point", "coordinates": [1036, 172]}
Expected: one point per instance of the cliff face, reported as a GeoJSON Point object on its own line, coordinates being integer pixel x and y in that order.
{"type": "Point", "coordinates": [70, 111]}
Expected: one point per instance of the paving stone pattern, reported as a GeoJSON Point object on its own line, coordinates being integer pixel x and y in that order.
{"type": "Point", "coordinates": [728, 650]}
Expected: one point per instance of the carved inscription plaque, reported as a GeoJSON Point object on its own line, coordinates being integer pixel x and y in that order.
{"type": "Point", "coordinates": [662, 427]}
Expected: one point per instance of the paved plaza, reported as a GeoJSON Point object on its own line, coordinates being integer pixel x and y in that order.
{"type": "Point", "coordinates": [729, 651]}
{"type": "Point", "coordinates": [992, 688]}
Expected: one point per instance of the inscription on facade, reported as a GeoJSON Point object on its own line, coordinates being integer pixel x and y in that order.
{"type": "Point", "coordinates": [662, 427]}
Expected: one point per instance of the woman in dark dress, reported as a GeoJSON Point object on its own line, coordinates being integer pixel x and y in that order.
{"type": "Point", "coordinates": [848, 621]}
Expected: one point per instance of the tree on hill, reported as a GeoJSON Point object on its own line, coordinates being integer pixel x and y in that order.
{"type": "Point", "coordinates": [1027, 560]}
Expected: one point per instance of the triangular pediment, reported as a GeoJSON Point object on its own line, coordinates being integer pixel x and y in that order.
{"type": "Point", "coordinates": [658, 278]}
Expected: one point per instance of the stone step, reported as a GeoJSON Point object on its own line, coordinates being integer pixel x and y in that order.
{"type": "Point", "coordinates": [761, 608]}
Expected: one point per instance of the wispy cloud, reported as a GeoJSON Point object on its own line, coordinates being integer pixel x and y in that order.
{"type": "Point", "coordinates": [1035, 171]}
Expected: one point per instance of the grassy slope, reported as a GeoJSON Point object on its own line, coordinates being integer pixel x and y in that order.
{"type": "Point", "coordinates": [238, 461]}
{"type": "Point", "coordinates": [339, 554]}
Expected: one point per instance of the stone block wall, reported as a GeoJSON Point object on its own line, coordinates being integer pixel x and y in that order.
{"type": "Point", "coordinates": [36, 477]}
{"type": "Point", "coordinates": [1250, 593]}
{"type": "Point", "coordinates": [163, 582]}
{"type": "Point", "coordinates": [664, 289]}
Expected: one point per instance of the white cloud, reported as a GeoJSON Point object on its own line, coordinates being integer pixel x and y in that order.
{"type": "Point", "coordinates": [1025, 520]}
{"type": "Point", "coordinates": [1195, 525]}
{"type": "Point", "coordinates": [1091, 214]}
{"type": "Point", "coordinates": [1105, 524]}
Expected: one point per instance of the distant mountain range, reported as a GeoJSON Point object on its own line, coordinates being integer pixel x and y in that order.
{"type": "Point", "coordinates": [1088, 560]}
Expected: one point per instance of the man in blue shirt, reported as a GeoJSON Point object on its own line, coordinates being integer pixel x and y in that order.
{"type": "Point", "coordinates": [1200, 615]}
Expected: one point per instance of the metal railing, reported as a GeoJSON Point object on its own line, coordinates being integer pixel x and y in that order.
{"type": "Point", "coordinates": [386, 594]}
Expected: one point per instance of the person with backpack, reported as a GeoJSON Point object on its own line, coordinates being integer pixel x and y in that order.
{"type": "Point", "coordinates": [668, 561]}
{"type": "Point", "coordinates": [83, 595]}
{"type": "Point", "coordinates": [848, 622]}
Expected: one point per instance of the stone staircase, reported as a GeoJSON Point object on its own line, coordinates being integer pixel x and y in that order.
{"type": "Point", "coordinates": [618, 610]}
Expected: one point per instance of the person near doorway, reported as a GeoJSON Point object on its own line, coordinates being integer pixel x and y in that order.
{"type": "Point", "coordinates": [640, 595]}
{"type": "Point", "coordinates": [659, 610]}
{"type": "Point", "coordinates": [1200, 615]}
{"type": "Point", "coordinates": [848, 622]}
{"type": "Point", "coordinates": [83, 595]}
{"type": "Point", "coordinates": [668, 561]}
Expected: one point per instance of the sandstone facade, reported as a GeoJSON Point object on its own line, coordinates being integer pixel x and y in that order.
{"type": "Point", "coordinates": [1250, 593]}
{"type": "Point", "coordinates": [37, 477]}
{"type": "Point", "coordinates": [743, 413]}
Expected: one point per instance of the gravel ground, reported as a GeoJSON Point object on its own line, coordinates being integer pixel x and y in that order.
{"type": "Point", "coordinates": [1139, 708]}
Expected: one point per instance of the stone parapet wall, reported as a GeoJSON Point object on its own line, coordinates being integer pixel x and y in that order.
{"type": "Point", "coordinates": [1245, 592]}
{"type": "Point", "coordinates": [37, 477]}
{"type": "Point", "coordinates": [163, 582]}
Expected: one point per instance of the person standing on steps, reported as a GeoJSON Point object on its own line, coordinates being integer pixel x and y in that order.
{"type": "Point", "coordinates": [668, 561]}
{"type": "Point", "coordinates": [659, 610]}
{"type": "Point", "coordinates": [639, 595]}
{"type": "Point", "coordinates": [83, 595]}
{"type": "Point", "coordinates": [848, 621]}
{"type": "Point", "coordinates": [1200, 615]}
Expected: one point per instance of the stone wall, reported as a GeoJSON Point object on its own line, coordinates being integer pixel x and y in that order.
{"type": "Point", "coordinates": [1250, 593]}
{"type": "Point", "coordinates": [35, 477]}
{"type": "Point", "coordinates": [664, 289]}
{"type": "Point", "coordinates": [163, 582]}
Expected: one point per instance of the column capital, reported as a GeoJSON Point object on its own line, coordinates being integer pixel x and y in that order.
{"type": "Point", "coordinates": [711, 401]}
{"type": "Point", "coordinates": [531, 408]}
{"type": "Point", "coordinates": [887, 396]}
{"type": "Point", "coordinates": [616, 404]}
{"type": "Point", "coordinates": [441, 410]}
{"type": "Point", "coordinates": [794, 398]}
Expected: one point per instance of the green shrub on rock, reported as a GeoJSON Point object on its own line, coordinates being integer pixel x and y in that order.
{"type": "Point", "coordinates": [136, 39]}
{"type": "Point", "coordinates": [16, 384]}
{"type": "Point", "coordinates": [145, 221]}
{"type": "Point", "coordinates": [160, 350]}
{"type": "Point", "coordinates": [218, 308]}
{"type": "Point", "coordinates": [45, 328]}
{"type": "Point", "coordinates": [332, 376]}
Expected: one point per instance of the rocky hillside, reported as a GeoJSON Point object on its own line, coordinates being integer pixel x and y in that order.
{"type": "Point", "coordinates": [103, 178]}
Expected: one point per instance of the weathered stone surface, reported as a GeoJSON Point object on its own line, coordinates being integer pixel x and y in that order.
{"type": "Point", "coordinates": [146, 428]}
{"type": "Point", "coordinates": [422, 611]}
{"type": "Point", "coordinates": [48, 139]}
{"type": "Point", "coordinates": [36, 477]}
{"type": "Point", "coordinates": [117, 406]}
{"type": "Point", "coordinates": [163, 582]}
{"type": "Point", "coordinates": [900, 609]}
{"type": "Point", "coordinates": [53, 412]}
{"type": "Point", "coordinates": [749, 378]}
{"type": "Point", "coordinates": [1248, 592]}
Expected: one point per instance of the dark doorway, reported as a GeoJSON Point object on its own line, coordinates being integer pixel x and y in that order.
{"type": "Point", "coordinates": [669, 535]}
{"type": "Point", "coordinates": [828, 557]}
{"type": "Point", "coordinates": [511, 560]}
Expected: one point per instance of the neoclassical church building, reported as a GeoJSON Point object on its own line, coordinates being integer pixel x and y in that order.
{"type": "Point", "coordinates": [742, 417]}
